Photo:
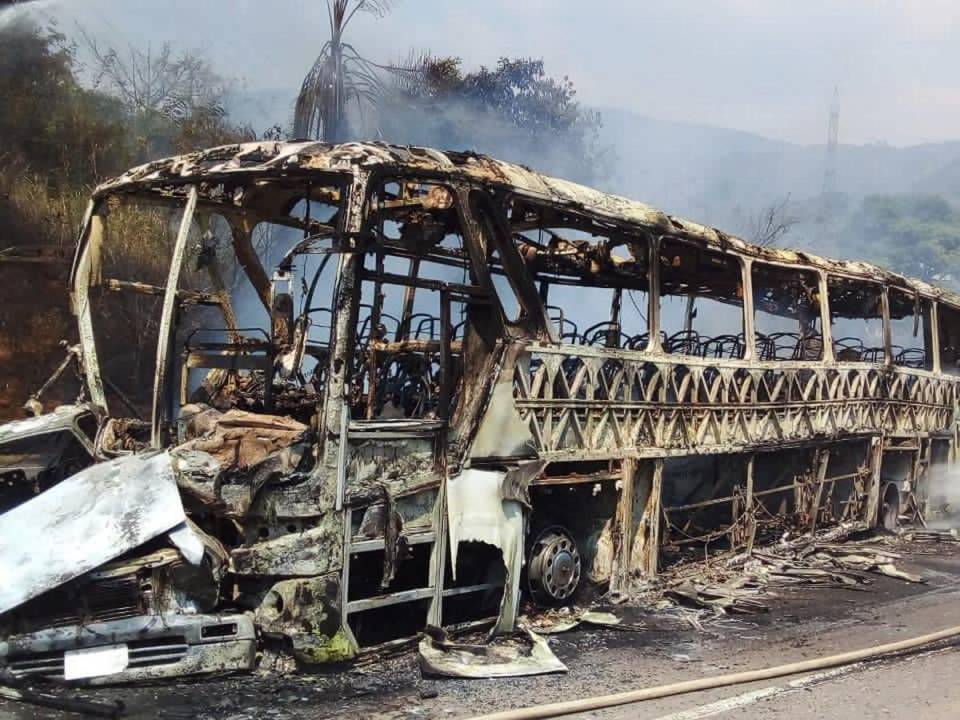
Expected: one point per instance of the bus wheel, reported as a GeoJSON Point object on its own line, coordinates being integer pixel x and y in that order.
{"type": "Point", "coordinates": [553, 567]}
{"type": "Point", "coordinates": [890, 508]}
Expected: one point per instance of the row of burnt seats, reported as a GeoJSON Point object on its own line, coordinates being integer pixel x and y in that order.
{"type": "Point", "coordinates": [770, 347]}
{"type": "Point", "coordinates": [852, 349]}
{"type": "Point", "coordinates": [419, 326]}
{"type": "Point", "coordinates": [684, 342]}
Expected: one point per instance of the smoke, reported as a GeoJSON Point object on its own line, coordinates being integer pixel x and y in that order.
{"type": "Point", "coordinates": [943, 497]}
{"type": "Point", "coordinates": [19, 12]}
{"type": "Point", "coordinates": [573, 151]}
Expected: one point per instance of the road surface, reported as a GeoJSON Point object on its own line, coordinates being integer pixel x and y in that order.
{"type": "Point", "coordinates": [663, 648]}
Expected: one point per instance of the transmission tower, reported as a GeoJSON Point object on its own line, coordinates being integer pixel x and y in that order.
{"type": "Point", "coordinates": [830, 162]}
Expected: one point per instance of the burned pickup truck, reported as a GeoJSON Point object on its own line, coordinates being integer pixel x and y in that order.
{"type": "Point", "coordinates": [334, 394]}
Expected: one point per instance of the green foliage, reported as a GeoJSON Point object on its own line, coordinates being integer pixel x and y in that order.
{"type": "Point", "coordinates": [49, 123]}
{"type": "Point", "coordinates": [513, 110]}
{"type": "Point", "coordinates": [60, 139]}
{"type": "Point", "coordinates": [517, 91]}
{"type": "Point", "coordinates": [520, 92]}
{"type": "Point", "coordinates": [918, 235]}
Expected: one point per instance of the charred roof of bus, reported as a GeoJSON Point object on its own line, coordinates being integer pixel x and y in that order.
{"type": "Point", "coordinates": [222, 171]}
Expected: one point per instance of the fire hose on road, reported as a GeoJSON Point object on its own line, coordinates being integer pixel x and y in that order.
{"type": "Point", "coordinates": [550, 710]}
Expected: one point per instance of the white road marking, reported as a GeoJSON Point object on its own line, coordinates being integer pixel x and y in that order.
{"type": "Point", "coordinates": [748, 698]}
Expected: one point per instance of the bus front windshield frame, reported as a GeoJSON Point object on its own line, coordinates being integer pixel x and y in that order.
{"type": "Point", "coordinates": [183, 300]}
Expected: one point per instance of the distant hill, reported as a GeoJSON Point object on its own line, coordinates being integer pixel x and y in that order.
{"type": "Point", "coordinates": [715, 175]}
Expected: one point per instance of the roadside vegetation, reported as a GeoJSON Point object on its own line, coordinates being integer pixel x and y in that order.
{"type": "Point", "coordinates": [62, 137]}
{"type": "Point", "coordinates": [74, 112]}
{"type": "Point", "coordinates": [918, 235]}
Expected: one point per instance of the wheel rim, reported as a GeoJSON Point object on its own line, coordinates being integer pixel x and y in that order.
{"type": "Point", "coordinates": [554, 567]}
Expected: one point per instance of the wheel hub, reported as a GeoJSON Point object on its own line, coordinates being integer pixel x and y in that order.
{"type": "Point", "coordinates": [554, 567]}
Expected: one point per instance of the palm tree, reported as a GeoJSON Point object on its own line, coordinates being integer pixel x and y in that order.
{"type": "Point", "coordinates": [339, 75]}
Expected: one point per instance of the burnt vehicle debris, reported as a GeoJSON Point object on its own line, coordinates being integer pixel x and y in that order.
{"type": "Point", "coordinates": [37, 453]}
{"type": "Point", "coordinates": [372, 389]}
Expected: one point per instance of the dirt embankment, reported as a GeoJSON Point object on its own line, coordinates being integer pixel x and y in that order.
{"type": "Point", "coordinates": [34, 318]}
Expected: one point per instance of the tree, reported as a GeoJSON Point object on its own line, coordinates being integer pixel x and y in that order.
{"type": "Point", "coordinates": [161, 82]}
{"type": "Point", "coordinates": [771, 223]}
{"type": "Point", "coordinates": [174, 100]}
{"type": "Point", "coordinates": [917, 235]}
{"type": "Point", "coordinates": [514, 110]}
{"type": "Point", "coordinates": [340, 75]}
{"type": "Point", "coordinates": [51, 125]}
{"type": "Point", "coordinates": [60, 138]}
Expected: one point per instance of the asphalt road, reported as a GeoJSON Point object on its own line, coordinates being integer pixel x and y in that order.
{"type": "Point", "coordinates": [808, 624]}
{"type": "Point", "coordinates": [918, 687]}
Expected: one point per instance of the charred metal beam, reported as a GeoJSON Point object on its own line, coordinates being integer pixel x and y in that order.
{"type": "Point", "coordinates": [471, 291]}
{"type": "Point", "coordinates": [249, 260]}
{"type": "Point", "coordinates": [184, 297]}
{"type": "Point", "coordinates": [166, 329]}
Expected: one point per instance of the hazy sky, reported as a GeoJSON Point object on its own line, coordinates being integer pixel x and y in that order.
{"type": "Point", "coordinates": [765, 66]}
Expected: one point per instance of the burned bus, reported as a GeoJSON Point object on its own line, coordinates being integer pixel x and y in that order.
{"type": "Point", "coordinates": [333, 394]}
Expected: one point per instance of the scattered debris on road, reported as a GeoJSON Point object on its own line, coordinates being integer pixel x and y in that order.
{"type": "Point", "coordinates": [552, 622]}
{"type": "Point", "coordinates": [745, 582]}
{"type": "Point", "coordinates": [59, 702]}
{"type": "Point", "coordinates": [519, 654]}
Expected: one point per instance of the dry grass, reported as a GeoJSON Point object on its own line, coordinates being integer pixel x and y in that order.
{"type": "Point", "coordinates": [38, 214]}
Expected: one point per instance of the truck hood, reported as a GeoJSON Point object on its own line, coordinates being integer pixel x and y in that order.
{"type": "Point", "coordinates": [61, 418]}
{"type": "Point", "coordinates": [90, 518]}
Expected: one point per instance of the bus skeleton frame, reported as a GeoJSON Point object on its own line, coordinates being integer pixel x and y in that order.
{"type": "Point", "coordinates": [432, 464]}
